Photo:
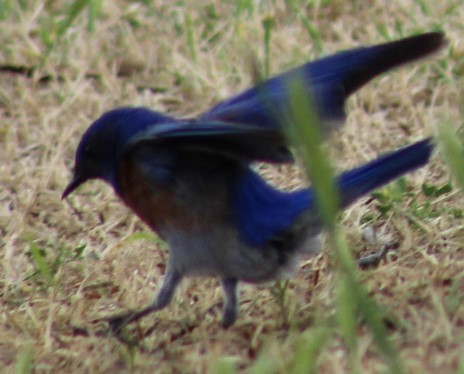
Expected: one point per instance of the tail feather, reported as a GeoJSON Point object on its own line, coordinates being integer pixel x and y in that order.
{"type": "Point", "coordinates": [360, 181]}
{"type": "Point", "coordinates": [263, 213]}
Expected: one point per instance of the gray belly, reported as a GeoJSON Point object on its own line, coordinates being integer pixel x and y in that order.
{"type": "Point", "coordinates": [221, 253]}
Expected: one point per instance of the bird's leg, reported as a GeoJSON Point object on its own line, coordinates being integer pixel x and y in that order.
{"type": "Point", "coordinates": [170, 283]}
{"type": "Point", "coordinates": [229, 286]}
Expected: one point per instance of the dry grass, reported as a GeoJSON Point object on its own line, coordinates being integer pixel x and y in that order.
{"type": "Point", "coordinates": [140, 55]}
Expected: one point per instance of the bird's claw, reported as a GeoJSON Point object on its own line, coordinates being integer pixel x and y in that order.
{"type": "Point", "coordinates": [116, 323]}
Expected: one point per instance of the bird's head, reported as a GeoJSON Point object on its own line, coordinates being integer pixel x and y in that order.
{"type": "Point", "coordinates": [103, 144]}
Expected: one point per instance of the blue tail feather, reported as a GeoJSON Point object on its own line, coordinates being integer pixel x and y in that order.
{"type": "Point", "coordinates": [360, 181]}
{"type": "Point", "coordinates": [262, 212]}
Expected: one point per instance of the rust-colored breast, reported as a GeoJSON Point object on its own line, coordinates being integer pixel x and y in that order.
{"type": "Point", "coordinates": [165, 206]}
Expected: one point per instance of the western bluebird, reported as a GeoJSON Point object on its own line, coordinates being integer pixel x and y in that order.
{"type": "Point", "coordinates": [190, 180]}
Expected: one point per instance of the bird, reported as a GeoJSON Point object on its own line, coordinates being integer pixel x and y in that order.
{"type": "Point", "coordinates": [191, 180]}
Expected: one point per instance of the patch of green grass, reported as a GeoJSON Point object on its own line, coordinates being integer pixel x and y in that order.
{"type": "Point", "coordinates": [398, 195]}
{"type": "Point", "coordinates": [57, 21]}
{"type": "Point", "coordinates": [47, 260]}
{"type": "Point", "coordinates": [453, 152]}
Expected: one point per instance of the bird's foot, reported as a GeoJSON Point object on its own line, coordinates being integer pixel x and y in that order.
{"type": "Point", "coordinates": [117, 322]}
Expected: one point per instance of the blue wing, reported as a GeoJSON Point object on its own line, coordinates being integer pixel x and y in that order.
{"type": "Point", "coordinates": [329, 81]}
{"type": "Point", "coordinates": [236, 141]}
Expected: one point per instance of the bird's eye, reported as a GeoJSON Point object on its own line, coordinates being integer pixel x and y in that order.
{"type": "Point", "coordinates": [87, 151]}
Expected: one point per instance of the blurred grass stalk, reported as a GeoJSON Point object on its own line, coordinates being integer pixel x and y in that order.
{"type": "Point", "coordinates": [452, 149]}
{"type": "Point", "coordinates": [304, 130]}
{"type": "Point", "coordinates": [268, 24]}
{"type": "Point", "coordinates": [25, 358]}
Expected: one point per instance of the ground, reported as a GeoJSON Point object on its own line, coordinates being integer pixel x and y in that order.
{"type": "Point", "coordinates": [66, 263]}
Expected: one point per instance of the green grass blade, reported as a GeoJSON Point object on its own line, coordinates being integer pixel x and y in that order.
{"type": "Point", "coordinates": [313, 33]}
{"type": "Point", "coordinates": [352, 299]}
{"type": "Point", "coordinates": [189, 29]}
{"type": "Point", "coordinates": [268, 23]}
{"type": "Point", "coordinates": [309, 347]}
{"type": "Point", "coordinates": [77, 7]}
{"type": "Point", "coordinates": [453, 152]}
{"type": "Point", "coordinates": [304, 131]}
{"type": "Point", "coordinates": [25, 359]}
{"type": "Point", "coordinates": [40, 263]}
{"type": "Point", "coordinates": [93, 14]}
{"type": "Point", "coordinates": [224, 365]}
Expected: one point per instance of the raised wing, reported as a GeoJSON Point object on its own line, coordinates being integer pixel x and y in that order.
{"type": "Point", "coordinates": [329, 81]}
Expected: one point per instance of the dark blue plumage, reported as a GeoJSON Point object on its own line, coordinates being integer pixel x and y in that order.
{"type": "Point", "coordinates": [331, 80]}
{"type": "Point", "coordinates": [263, 212]}
{"type": "Point", "coordinates": [360, 181]}
{"type": "Point", "coordinates": [191, 181]}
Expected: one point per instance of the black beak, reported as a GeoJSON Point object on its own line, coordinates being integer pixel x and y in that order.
{"type": "Point", "coordinates": [75, 182]}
